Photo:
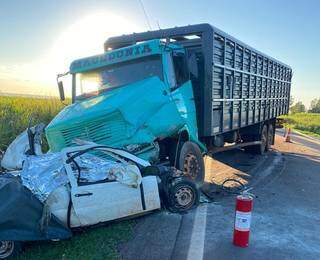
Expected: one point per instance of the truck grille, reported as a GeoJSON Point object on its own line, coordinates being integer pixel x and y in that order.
{"type": "Point", "coordinates": [107, 130]}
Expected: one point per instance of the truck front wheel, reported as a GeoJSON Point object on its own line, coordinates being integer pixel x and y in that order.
{"type": "Point", "coordinates": [191, 162]}
{"type": "Point", "coordinates": [183, 195]}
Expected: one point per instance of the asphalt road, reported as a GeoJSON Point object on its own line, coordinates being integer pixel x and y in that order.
{"type": "Point", "coordinates": [296, 137]}
{"type": "Point", "coordinates": [285, 221]}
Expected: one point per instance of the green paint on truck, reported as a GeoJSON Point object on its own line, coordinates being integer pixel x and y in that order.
{"type": "Point", "coordinates": [136, 115]}
{"type": "Point", "coordinates": [164, 94]}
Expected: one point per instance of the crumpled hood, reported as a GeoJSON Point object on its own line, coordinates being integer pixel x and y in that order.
{"type": "Point", "coordinates": [137, 113]}
{"type": "Point", "coordinates": [105, 103]}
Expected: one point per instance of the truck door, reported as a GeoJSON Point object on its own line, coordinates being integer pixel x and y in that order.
{"type": "Point", "coordinates": [181, 88]}
{"type": "Point", "coordinates": [197, 75]}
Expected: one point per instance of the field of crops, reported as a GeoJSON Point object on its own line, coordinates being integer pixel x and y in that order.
{"type": "Point", "coordinates": [15, 113]}
{"type": "Point", "coordinates": [99, 243]}
{"type": "Point", "coordinates": [306, 122]}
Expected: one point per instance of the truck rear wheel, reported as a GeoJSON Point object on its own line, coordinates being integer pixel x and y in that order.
{"type": "Point", "coordinates": [264, 140]}
{"type": "Point", "coordinates": [261, 148]}
{"type": "Point", "coordinates": [270, 137]}
{"type": "Point", "coordinates": [191, 162]}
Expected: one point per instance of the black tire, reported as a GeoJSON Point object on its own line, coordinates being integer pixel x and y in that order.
{"type": "Point", "coordinates": [270, 139]}
{"type": "Point", "coordinates": [261, 148]}
{"type": "Point", "coordinates": [190, 161]}
{"type": "Point", "coordinates": [183, 195]}
{"type": "Point", "coordinates": [9, 249]}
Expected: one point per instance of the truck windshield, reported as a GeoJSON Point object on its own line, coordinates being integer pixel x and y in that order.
{"type": "Point", "coordinates": [94, 82]}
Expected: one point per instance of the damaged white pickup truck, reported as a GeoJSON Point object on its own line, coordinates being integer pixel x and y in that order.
{"type": "Point", "coordinates": [46, 196]}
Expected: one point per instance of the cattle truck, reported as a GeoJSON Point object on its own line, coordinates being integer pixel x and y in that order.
{"type": "Point", "coordinates": [171, 95]}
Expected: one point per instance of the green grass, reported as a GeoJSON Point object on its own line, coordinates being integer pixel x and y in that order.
{"type": "Point", "coordinates": [308, 123]}
{"type": "Point", "coordinates": [98, 243]}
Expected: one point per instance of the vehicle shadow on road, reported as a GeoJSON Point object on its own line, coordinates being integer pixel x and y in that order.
{"type": "Point", "coordinates": [306, 156]}
{"type": "Point", "coordinates": [237, 164]}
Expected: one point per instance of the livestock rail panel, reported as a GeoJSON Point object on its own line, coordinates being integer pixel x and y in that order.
{"type": "Point", "coordinates": [248, 87]}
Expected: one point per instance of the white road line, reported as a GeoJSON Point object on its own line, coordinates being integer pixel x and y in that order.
{"type": "Point", "coordinates": [196, 247]}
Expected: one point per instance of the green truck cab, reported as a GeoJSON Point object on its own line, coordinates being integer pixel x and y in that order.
{"type": "Point", "coordinates": [138, 98]}
{"type": "Point", "coordinates": [170, 95]}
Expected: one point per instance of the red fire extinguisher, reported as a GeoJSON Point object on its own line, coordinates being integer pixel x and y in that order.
{"type": "Point", "coordinates": [242, 221]}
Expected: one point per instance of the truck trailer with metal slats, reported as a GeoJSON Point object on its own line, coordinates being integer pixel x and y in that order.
{"type": "Point", "coordinates": [235, 86]}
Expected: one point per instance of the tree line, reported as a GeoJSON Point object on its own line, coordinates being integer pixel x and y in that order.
{"type": "Point", "coordinates": [299, 107]}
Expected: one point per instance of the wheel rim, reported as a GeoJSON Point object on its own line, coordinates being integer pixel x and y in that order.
{"type": "Point", "coordinates": [191, 166]}
{"type": "Point", "coordinates": [6, 249]}
{"type": "Point", "coordinates": [184, 197]}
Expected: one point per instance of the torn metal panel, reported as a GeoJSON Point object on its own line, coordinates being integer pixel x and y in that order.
{"type": "Point", "coordinates": [93, 168]}
{"type": "Point", "coordinates": [43, 174]}
{"type": "Point", "coordinates": [112, 200]}
{"type": "Point", "coordinates": [21, 146]}
{"type": "Point", "coordinates": [83, 145]}
{"type": "Point", "coordinates": [107, 200]}
{"type": "Point", "coordinates": [117, 166]}
{"type": "Point", "coordinates": [36, 138]}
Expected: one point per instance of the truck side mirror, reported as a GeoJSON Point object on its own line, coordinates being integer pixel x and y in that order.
{"type": "Point", "coordinates": [61, 90]}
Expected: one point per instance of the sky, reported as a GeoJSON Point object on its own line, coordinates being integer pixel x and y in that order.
{"type": "Point", "coordinates": [39, 39]}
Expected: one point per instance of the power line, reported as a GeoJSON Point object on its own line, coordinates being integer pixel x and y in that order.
{"type": "Point", "coordinates": [145, 14]}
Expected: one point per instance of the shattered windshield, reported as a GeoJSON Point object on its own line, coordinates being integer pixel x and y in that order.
{"type": "Point", "coordinates": [93, 83]}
